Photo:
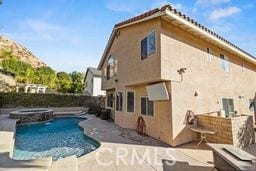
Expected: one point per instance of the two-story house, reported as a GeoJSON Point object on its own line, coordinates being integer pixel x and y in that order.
{"type": "Point", "coordinates": [92, 82]}
{"type": "Point", "coordinates": [162, 63]}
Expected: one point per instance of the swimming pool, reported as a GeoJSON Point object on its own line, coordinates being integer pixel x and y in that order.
{"type": "Point", "coordinates": [59, 138]}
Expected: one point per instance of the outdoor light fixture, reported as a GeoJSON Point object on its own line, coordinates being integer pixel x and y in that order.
{"type": "Point", "coordinates": [182, 71]}
{"type": "Point", "coordinates": [196, 93]}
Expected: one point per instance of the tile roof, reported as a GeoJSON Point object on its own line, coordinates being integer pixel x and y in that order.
{"type": "Point", "coordinates": [175, 11]}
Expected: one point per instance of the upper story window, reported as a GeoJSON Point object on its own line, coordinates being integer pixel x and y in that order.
{"type": "Point", "coordinates": [148, 45]}
{"type": "Point", "coordinates": [224, 63]}
{"type": "Point", "coordinates": [110, 67]}
{"type": "Point", "coordinates": [209, 55]}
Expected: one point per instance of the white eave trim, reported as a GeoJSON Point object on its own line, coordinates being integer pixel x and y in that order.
{"type": "Point", "coordinates": [171, 15]}
{"type": "Point", "coordinates": [110, 41]}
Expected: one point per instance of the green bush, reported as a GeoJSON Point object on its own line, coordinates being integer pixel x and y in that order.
{"type": "Point", "coordinates": [25, 73]}
{"type": "Point", "coordinates": [13, 100]}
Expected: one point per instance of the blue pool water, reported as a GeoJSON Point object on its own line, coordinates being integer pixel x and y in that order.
{"type": "Point", "coordinates": [58, 138]}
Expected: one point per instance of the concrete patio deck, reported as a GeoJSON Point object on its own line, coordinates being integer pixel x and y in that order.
{"type": "Point", "coordinates": [121, 149]}
{"type": "Point", "coordinates": [120, 146]}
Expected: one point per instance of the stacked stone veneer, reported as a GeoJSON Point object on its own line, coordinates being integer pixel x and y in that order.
{"type": "Point", "coordinates": [238, 131]}
{"type": "Point", "coordinates": [30, 116]}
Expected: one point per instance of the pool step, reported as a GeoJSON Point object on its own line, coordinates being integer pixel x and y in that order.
{"type": "Point", "coordinates": [66, 164]}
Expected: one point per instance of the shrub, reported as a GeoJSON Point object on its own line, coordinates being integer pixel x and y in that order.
{"type": "Point", "coordinates": [13, 100]}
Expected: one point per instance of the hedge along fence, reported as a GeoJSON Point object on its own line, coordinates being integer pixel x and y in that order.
{"type": "Point", "coordinates": [15, 100]}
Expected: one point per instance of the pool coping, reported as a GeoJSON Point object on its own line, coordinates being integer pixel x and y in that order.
{"type": "Point", "coordinates": [90, 136]}
{"type": "Point", "coordinates": [8, 147]}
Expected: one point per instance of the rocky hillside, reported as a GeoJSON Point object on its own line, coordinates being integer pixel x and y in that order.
{"type": "Point", "coordinates": [7, 82]}
{"type": "Point", "coordinates": [20, 51]}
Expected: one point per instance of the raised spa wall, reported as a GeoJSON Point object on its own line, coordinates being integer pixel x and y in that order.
{"type": "Point", "coordinates": [31, 115]}
{"type": "Point", "coordinates": [238, 131]}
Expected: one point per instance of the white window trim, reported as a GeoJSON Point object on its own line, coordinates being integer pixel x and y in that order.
{"type": "Point", "coordinates": [229, 99]}
{"type": "Point", "coordinates": [134, 107]}
{"type": "Point", "coordinates": [122, 101]}
{"type": "Point", "coordinates": [111, 68]}
{"type": "Point", "coordinates": [209, 55]}
{"type": "Point", "coordinates": [156, 38]}
{"type": "Point", "coordinates": [225, 61]}
{"type": "Point", "coordinates": [146, 108]}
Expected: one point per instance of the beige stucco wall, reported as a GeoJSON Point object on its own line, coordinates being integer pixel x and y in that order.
{"type": "Point", "coordinates": [175, 49]}
{"type": "Point", "coordinates": [157, 126]}
{"type": "Point", "coordinates": [134, 74]}
{"type": "Point", "coordinates": [180, 49]}
{"type": "Point", "coordinates": [126, 49]}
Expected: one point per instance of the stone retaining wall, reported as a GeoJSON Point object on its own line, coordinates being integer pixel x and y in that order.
{"type": "Point", "coordinates": [237, 130]}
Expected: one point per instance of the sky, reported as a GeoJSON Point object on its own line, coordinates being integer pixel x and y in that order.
{"type": "Point", "coordinates": [71, 35]}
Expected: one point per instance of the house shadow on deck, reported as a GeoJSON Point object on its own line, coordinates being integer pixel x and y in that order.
{"type": "Point", "coordinates": [6, 163]}
{"type": "Point", "coordinates": [169, 165]}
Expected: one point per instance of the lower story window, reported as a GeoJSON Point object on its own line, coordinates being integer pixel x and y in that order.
{"type": "Point", "coordinates": [119, 101]}
{"type": "Point", "coordinates": [130, 98]}
{"type": "Point", "coordinates": [110, 100]}
{"type": "Point", "coordinates": [252, 105]}
{"type": "Point", "coordinates": [228, 107]}
{"type": "Point", "coordinates": [147, 106]}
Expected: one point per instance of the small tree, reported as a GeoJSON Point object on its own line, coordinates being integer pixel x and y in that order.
{"type": "Point", "coordinates": [46, 76]}
{"type": "Point", "coordinates": [77, 85]}
{"type": "Point", "coordinates": [64, 82]}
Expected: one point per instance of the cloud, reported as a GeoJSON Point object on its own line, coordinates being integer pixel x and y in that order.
{"type": "Point", "coordinates": [136, 7]}
{"type": "Point", "coordinates": [42, 26]}
{"type": "Point", "coordinates": [37, 29]}
{"type": "Point", "coordinates": [205, 3]}
{"type": "Point", "coordinates": [160, 3]}
{"type": "Point", "coordinates": [218, 14]}
{"type": "Point", "coordinates": [128, 6]}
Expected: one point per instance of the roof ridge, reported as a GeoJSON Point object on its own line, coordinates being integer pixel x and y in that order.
{"type": "Point", "coordinates": [138, 17]}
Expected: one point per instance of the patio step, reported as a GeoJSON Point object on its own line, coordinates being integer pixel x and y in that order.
{"type": "Point", "coordinates": [73, 113]}
{"type": "Point", "coordinates": [65, 164]}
